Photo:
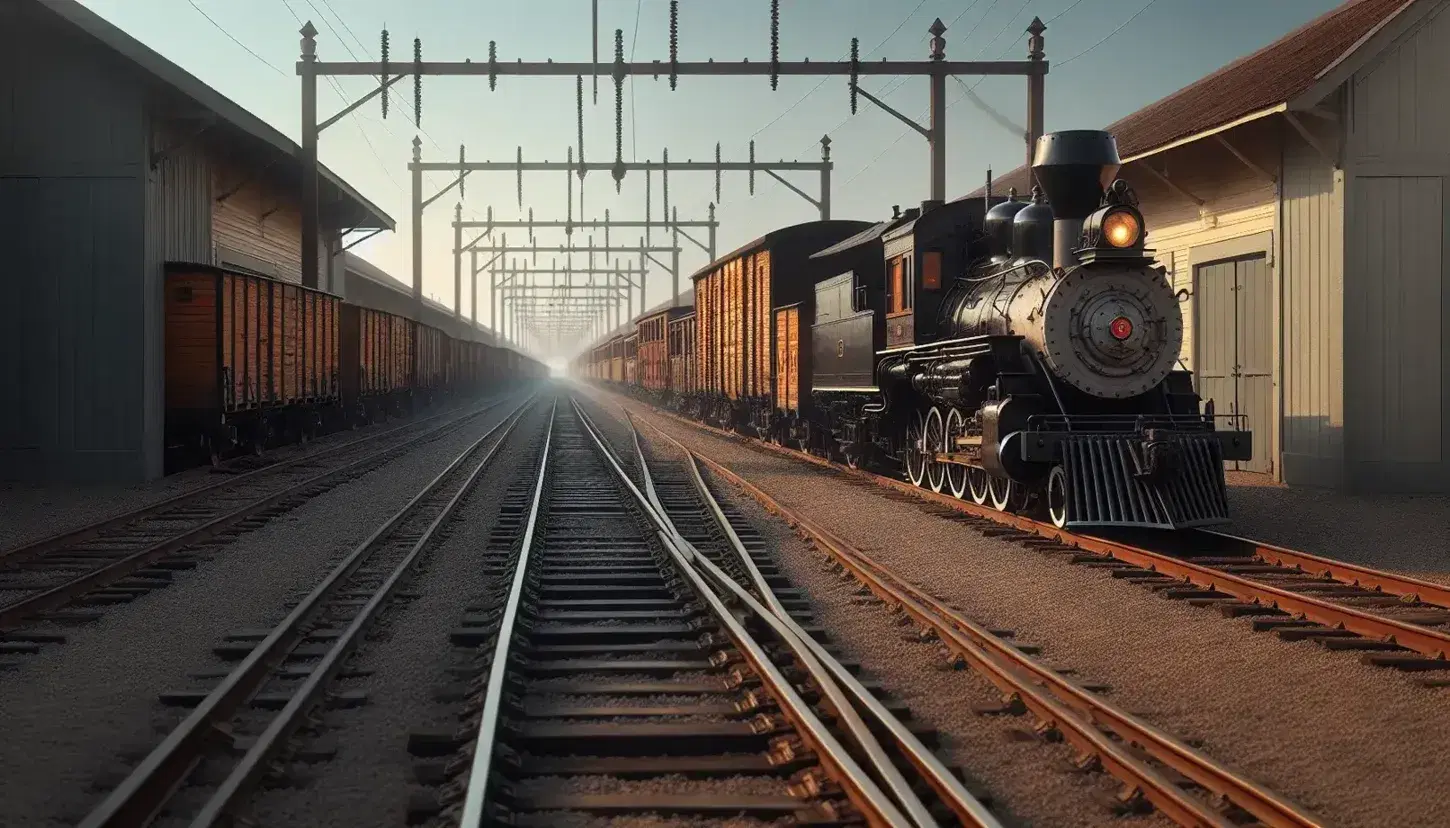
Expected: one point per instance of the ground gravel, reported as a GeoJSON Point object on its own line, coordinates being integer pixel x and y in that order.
{"type": "Point", "coordinates": [32, 512]}
{"type": "Point", "coordinates": [1358, 746]}
{"type": "Point", "coordinates": [1403, 533]}
{"type": "Point", "coordinates": [368, 781]}
{"type": "Point", "coordinates": [78, 717]}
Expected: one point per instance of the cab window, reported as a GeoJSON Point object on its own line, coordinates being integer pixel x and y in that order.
{"type": "Point", "coordinates": [899, 285]}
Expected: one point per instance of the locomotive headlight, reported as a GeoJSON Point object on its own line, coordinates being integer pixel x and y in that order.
{"type": "Point", "coordinates": [1121, 228]}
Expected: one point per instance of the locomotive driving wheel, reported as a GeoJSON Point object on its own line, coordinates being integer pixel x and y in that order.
{"type": "Point", "coordinates": [1057, 500]}
{"type": "Point", "coordinates": [934, 438]}
{"type": "Point", "coordinates": [979, 484]}
{"type": "Point", "coordinates": [956, 473]}
{"type": "Point", "coordinates": [915, 460]}
{"type": "Point", "coordinates": [1007, 494]}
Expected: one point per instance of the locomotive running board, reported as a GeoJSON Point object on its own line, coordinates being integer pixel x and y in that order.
{"type": "Point", "coordinates": [1105, 488]}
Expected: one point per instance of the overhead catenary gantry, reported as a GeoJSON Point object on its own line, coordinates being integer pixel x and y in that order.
{"type": "Point", "coordinates": [936, 69]}
{"type": "Point", "coordinates": [572, 168]}
{"type": "Point", "coordinates": [677, 226]}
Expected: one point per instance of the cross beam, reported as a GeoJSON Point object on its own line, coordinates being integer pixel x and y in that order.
{"type": "Point", "coordinates": [936, 68]}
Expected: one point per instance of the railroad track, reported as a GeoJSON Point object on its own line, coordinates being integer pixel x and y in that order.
{"type": "Point", "coordinates": [204, 770]}
{"type": "Point", "coordinates": [1155, 767]}
{"type": "Point", "coordinates": [1394, 621]}
{"type": "Point", "coordinates": [623, 673]}
{"type": "Point", "coordinates": [123, 557]}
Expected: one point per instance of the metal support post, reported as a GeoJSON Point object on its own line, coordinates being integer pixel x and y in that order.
{"type": "Point", "coordinates": [825, 186]}
{"type": "Point", "coordinates": [457, 261]}
{"type": "Point", "coordinates": [1035, 83]}
{"type": "Point", "coordinates": [418, 229]}
{"type": "Point", "coordinates": [473, 288]}
{"type": "Point", "coordinates": [307, 68]}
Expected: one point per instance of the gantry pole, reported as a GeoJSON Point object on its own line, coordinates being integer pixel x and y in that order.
{"type": "Point", "coordinates": [937, 68]}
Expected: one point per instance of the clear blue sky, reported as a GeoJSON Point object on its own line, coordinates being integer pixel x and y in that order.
{"type": "Point", "coordinates": [1161, 46]}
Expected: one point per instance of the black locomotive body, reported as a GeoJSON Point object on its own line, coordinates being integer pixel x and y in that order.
{"type": "Point", "coordinates": [1025, 354]}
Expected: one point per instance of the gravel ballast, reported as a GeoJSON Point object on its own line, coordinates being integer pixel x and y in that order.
{"type": "Point", "coordinates": [79, 716]}
{"type": "Point", "coordinates": [369, 780]}
{"type": "Point", "coordinates": [1409, 534]}
{"type": "Point", "coordinates": [1307, 722]}
{"type": "Point", "coordinates": [1028, 779]}
{"type": "Point", "coordinates": [32, 512]}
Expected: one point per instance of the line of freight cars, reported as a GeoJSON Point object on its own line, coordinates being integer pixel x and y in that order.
{"type": "Point", "coordinates": [253, 362]}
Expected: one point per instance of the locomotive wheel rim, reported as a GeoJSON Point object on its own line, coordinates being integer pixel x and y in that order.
{"type": "Point", "coordinates": [1057, 497]}
{"type": "Point", "coordinates": [935, 436]}
{"type": "Point", "coordinates": [915, 465]}
{"type": "Point", "coordinates": [956, 473]}
{"type": "Point", "coordinates": [978, 485]}
{"type": "Point", "coordinates": [1001, 491]}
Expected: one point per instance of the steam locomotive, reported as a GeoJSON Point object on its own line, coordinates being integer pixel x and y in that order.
{"type": "Point", "coordinates": [1023, 354]}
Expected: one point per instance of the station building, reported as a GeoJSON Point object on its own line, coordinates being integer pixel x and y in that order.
{"type": "Point", "coordinates": [113, 160]}
{"type": "Point", "coordinates": [1298, 198]}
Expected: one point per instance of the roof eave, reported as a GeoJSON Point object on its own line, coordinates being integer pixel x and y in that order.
{"type": "Point", "coordinates": [187, 84]}
{"type": "Point", "coordinates": [1207, 133]}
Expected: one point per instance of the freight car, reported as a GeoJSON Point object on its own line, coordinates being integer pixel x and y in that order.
{"type": "Point", "coordinates": [251, 361]}
{"type": "Point", "coordinates": [247, 359]}
{"type": "Point", "coordinates": [737, 329]}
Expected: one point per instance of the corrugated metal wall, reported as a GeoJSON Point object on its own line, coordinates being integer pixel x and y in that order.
{"type": "Point", "coordinates": [1312, 261]}
{"type": "Point", "coordinates": [79, 349]}
{"type": "Point", "coordinates": [1396, 284]}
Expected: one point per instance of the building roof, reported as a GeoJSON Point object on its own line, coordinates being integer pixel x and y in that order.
{"type": "Point", "coordinates": [356, 264]}
{"type": "Point", "coordinates": [1266, 79]}
{"type": "Point", "coordinates": [356, 211]}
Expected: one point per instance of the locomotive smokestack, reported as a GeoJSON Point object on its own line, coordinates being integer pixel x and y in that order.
{"type": "Point", "coordinates": [1074, 167]}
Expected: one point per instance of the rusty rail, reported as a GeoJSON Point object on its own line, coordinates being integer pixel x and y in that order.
{"type": "Point", "coordinates": [1055, 700]}
{"type": "Point", "coordinates": [1430, 643]}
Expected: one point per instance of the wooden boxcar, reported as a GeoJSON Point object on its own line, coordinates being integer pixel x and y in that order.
{"type": "Point", "coordinates": [631, 358]}
{"type": "Point", "coordinates": [684, 380]}
{"type": "Point", "coordinates": [247, 357]}
{"type": "Point", "coordinates": [654, 351]}
{"type": "Point", "coordinates": [616, 359]}
{"type": "Point", "coordinates": [377, 355]}
{"type": "Point", "coordinates": [735, 300]}
{"type": "Point", "coordinates": [432, 355]}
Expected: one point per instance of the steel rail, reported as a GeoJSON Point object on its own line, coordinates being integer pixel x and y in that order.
{"type": "Point", "coordinates": [814, 659]}
{"type": "Point", "coordinates": [967, 807]}
{"type": "Point", "coordinates": [14, 614]}
{"type": "Point", "coordinates": [480, 771]}
{"type": "Point", "coordinates": [90, 531]}
{"type": "Point", "coordinates": [1053, 698]}
{"type": "Point", "coordinates": [1388, 582]}
{"type": "Point", "coordinates": [860, 788]}
{"type": "Point", "coordinates": [1432, 643]}
{"type": "Point", "coordinates": [140, 797]}
{"type": "Point", "coordinates": [250, 768]}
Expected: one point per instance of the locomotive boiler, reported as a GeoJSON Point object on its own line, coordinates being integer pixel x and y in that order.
{"type": "Point", "coordinates": [1025, 355]}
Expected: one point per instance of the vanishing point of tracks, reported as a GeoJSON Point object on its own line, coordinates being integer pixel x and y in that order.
{"type": "Point", "coordinates": [67, 577]}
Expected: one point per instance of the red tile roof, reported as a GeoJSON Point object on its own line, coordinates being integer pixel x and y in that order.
{"type": "Point", "coordinates": [1273, 75]}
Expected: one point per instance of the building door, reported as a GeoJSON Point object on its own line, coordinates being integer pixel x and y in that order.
{"type": "Point", "coordinates": [1234, 332]}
